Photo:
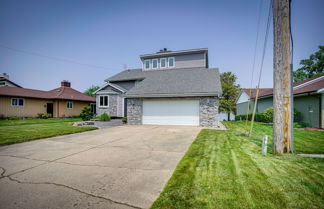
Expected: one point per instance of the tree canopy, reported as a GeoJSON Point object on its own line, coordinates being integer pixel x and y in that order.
{"type": "Point", "coordinates": [231, 91]}
{"type": "Point", "coordinates": [311, 67]}
{"type": "Point", "coordinates": [90, 91]}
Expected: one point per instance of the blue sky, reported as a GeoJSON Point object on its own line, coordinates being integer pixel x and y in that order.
{"type": "Point", "coordinates": [111, 34]}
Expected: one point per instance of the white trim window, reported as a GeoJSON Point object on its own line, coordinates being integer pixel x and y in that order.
{"type": "Point", "coordinates": [171, 62]}
{"type": "Point", "coordinates": [17, 102]}
{"type": "Point", "coordinates": [147, 64]}
{"type": "Point", "coordinates": [103, 101]}
{"type": "Point", "coordinates": [155, 63]}
{"type": "Point", "coordinates": [163, 62]}
{"type": "Point", "coordinates": [69, 104]}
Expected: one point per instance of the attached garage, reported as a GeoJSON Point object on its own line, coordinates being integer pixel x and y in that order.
{"type": "Point", "coordinates": [171, 112]}
{"type": "Point", "coordinates": [187, 97]}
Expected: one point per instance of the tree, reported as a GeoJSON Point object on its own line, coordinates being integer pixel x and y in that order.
{"type": "Point", "coordinates": [312, 67]}
{"type": "Point", "coordinates": [90, 91]}
{"type": "Point", "coordinates": [230, 93]}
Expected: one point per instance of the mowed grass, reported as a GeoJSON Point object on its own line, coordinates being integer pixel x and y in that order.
{"type": "Point", "coordinates": [224, 169]}
{"type": "Point", "coordinates": [15, 131]}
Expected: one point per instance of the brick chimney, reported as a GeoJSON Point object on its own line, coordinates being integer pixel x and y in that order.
{"type": "Point", "coordinates": [65, 83]}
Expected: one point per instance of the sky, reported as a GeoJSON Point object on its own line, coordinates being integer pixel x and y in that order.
{"type": "Point", "coordinates": [43, 42]}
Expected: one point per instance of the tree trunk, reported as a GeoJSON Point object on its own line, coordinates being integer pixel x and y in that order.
{"type": "Point", "coordinates": [282, 91]}
{"type": "Point", "coordinates": [228, 116]}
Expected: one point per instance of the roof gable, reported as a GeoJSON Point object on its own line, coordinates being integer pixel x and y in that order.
{"type": "Point", "coordinates": [243, 97]}
{"type": "Point", "coordinates": [7, 80]}
{"type": "Point", "coordinates": [111, 87]}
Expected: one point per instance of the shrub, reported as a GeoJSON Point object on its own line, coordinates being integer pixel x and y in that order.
{"type": "Point", "coordinates": [124, 119]}
{"type": "Point", "coordinates": [39, 115]}
{"type": "Point", "coordinates": [297, 116]}
{"type": "Point", "coordinates": [300, 125]}
{"type": "Point", "coordinates": [243, 117]}
{"type": "Point", "coordinates": [86, 113]}
{"type": "Point", "coordinates": [104, 117]}
{"type": "Point", "coordinates": [268, 115]}
{"type": "Point", "coordinates": [46, 115]}
{"type": "Point", "coordinates": [14, 118]}
{"type": "Point", "coordinates": [259, 117]}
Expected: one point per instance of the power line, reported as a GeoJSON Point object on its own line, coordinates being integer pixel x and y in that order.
{"type": "Point", "coordinates": [52, 57]}
{"type": "Point", "coordinates": [265, 42]}
{"type": "Point", "coordinates": [254, 58]}
{"type": "Point", "coordinates": [256, 41]}
{"type": "Point", "coordinates": [261, 66]}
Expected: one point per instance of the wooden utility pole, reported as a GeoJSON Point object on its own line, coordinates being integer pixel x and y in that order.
{"type": "Point", "coordinates": [282, 91]}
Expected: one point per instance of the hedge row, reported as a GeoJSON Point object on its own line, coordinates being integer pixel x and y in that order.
{"type": "Point", "coordinates": [267, 116]}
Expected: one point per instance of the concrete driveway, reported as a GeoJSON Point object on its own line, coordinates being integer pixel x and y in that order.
{"type": "Point", "coordinates": [120, 167]}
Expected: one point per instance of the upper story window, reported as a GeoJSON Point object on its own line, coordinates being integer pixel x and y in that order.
{"type": "Point", "coordinates": [163, 63]}
{"type": "Point", "coordinates": [17, 102]}
{"type": "Point", "coordinates": [147, 64]}
{"type": "Point", "coordinates": [159, 63]}
{"type": "Point", "coordinates": [155, 63]}
{"type": "Point", "coordinates": [103, 101]}
{"type": "Point", "coordinates": [171, 62]}
{"type": "Point", "coordinates": [2, 83]}
{"type": "Point", "coordinates": [69, 104]}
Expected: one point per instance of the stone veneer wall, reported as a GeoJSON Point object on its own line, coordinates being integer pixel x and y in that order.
{"type": "Point", "coordinates": [134, 111]}
{"type": "Point", "coordinates": [208, 112]}
{"type": "Point", "coordinates": [112, 109]}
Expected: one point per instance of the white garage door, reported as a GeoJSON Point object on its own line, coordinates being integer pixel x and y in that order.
{"type": "Point", "coordinates": [171, 112]}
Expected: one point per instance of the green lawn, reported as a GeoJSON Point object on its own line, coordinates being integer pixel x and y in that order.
{"type": "Point", "coordinates": [15, 131]}
{"type": "Point", "coordinates": [224, 169]}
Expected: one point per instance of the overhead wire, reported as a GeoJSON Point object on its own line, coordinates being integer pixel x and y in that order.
{"type": "Point", "coordinates": [261, 65]}
{"type": "Point", "coordinates": [52, 57]}
{"type": "Point", "coordinates": [254, 58]}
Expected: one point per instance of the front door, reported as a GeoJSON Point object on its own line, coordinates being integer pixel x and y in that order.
{"type": "Point", "coordinates": [93, 108]}
{"type": "Point", "coordinates": [49, 108]}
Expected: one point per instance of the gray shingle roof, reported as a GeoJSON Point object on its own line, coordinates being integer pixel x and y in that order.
{"type": "Point", "coordinates": [176, 82]}
{"type": "Point", "coordinates": [134, 74]}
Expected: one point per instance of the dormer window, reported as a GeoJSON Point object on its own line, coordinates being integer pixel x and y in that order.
{"type": "Point", "coordinates": [171, 62]}
{"type": "Point", "coordinates": [155, 63]}
{"type": "Point", "coordinates": [147, 64]}
{"type": "Point", "coordinates": [163, 63]}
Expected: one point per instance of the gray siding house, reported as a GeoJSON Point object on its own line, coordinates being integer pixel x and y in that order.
{"type": "Point", "coordinates": [308, 99]}
{"type": "Point", "coordinates": [171, 88]}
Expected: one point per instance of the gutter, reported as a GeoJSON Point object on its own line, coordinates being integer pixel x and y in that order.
{"type": "Point", "coordinates": [171, 95]}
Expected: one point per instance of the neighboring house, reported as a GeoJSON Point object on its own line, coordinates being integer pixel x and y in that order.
{"type": "Point", "coordinates": [308, 99]}
{"type": "Point", "coordinates": [223, 116]}
{"type": "Point", "coordinates": [60, 102]}
{"type": "Point", "coordinates": [171, 88]}
{"type": "Point", "coordinates": [4, 81]}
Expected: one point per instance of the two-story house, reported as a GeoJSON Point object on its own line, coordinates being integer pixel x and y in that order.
{"type": "Point", "coordinates": [171, 88]}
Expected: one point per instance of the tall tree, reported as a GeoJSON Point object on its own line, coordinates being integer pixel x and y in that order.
{"type": "Point", "coordinates": [230, 93]}
{"type": "Point", "coordinates": [311, 67]}
{"type": "Point", "coordinates": [90, 91]}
